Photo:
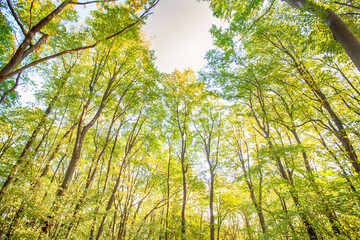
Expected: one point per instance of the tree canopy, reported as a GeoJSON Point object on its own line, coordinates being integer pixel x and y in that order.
{"type": "Point", "coordinates": [262, 143]}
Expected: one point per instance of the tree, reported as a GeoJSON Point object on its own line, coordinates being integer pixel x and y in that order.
{"type": "Point", "coordinates": [182, 92]}
{"type": "Point", "coordinates": [209, 130]}
{"type": "Point", "coordinates": [43, 23]}
{"type": "Point", "coordinates": [244, 17]}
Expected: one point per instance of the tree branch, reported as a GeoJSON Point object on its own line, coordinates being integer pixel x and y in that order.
{"type": "Point", "coordinates": [12, 89]}
{"type": "Point", "coordinates": [348, 5]}
{"type": "Point", "coordinates": [16, 17]}
{"type": "Point", "coordinates": [37, 28]}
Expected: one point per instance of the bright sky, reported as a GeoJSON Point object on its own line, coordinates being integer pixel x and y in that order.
{"type": "Point", "coordinates": [179, 32]}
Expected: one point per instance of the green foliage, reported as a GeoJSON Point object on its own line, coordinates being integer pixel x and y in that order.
{"type": "Point", "coordinates": [273, 115]}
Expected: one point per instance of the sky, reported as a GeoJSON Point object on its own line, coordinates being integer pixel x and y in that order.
{"type": "Point", "coordinates": [179, 31]}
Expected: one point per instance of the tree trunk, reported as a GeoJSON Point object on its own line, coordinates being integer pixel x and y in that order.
{"type": "Point", "coordinates": [168, 196]}
{"type": "Point", "coordinates": [344, 36]}
{"type": "Point", "coordinates": [211, 206]}
{"type": "Point", "coordinates": [130, 144]}
{"type": "Point", "coordinates": [283, 173]}
{"type": "Point", "coordinates": [339, 131]}
{"type": "Point", "coordinates": [183, 210]}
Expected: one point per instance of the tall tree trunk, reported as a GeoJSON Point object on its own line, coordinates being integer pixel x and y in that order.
{"type": "Point", "coordinates": [82, 130]}
{"type": "Point", "coordinates": [328, 213]}
{"type": "Point", "coordinates": [168, 195]}
{"type": "Point", "coordinates": [184, 199]}
{"type": "Point", "coordinates": [130, 144]}
{"type": "Point", "coordinates": [211, 206]}
{"type": "Point", "coordinates": [309, 172]}
{"type": "Point", "coordinates": [344, 36]}
{"type": "Point", "coordinates": [248, 179]}
{"type": "Point", "coordinates": [286, 175]}
{"type": "Point", "coordinates": [93, 173]}
{"type": "Point", "coordinates": [184, 169]}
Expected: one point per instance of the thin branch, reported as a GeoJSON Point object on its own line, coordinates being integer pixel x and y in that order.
{"type": "Point", "coordinates": [46, 20]}
{"type": "Point", "coordinates": [32, 48]}
{"type": "Point", "coordinates": [348, 5]}
{"type": "Point", "coordinates": [16, 17]}
{"type": "Point", "coordinates": [349, 13]}
{"type": "Point", "coordinates": [257, 20]}
{"type": "Point", "coordinates": [47, 58]}
{"type": "Point", "coordinates": [12, 89]}
{"type": "Point", "coordinates": [86, 3]}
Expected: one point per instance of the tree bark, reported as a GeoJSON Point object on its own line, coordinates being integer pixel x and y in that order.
{"type": "Point", "coordinates": [344, 36]}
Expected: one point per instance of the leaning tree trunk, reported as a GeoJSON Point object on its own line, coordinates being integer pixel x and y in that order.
{"type": "Point", "coordinates": [338, 27]}
{"type": "Point", "coordinates": [344, 36]}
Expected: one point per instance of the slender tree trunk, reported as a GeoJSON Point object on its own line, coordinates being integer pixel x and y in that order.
{"type": "Point", "coordinates": [53, 155]}
{"type": "Point", "coordinates": [82, 130]}
{"type": "Point", "coordinates": [339, 131]}
{"type": "Point", "coordinates": [211, 205]}
{"type": "Point", "coordinates": [184, 199]}
{"type": "Point", "coordinates": [328, 213]}
{"type": "Point", "coordinates": [30, 142]}
{"type": "Point", "coordinates": [93, 173]}
{"type": "Point", "coordinates": [248, 179]}
{"type": "Point", "coordinates": [285, 175]}
{"type": "Point", "coordinates": [130, 144]}
{"type": "Point", "coordinates": [168, 196]}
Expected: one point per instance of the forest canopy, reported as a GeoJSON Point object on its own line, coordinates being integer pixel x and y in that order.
{"type": "Point", "coordinates": [262, 143]}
